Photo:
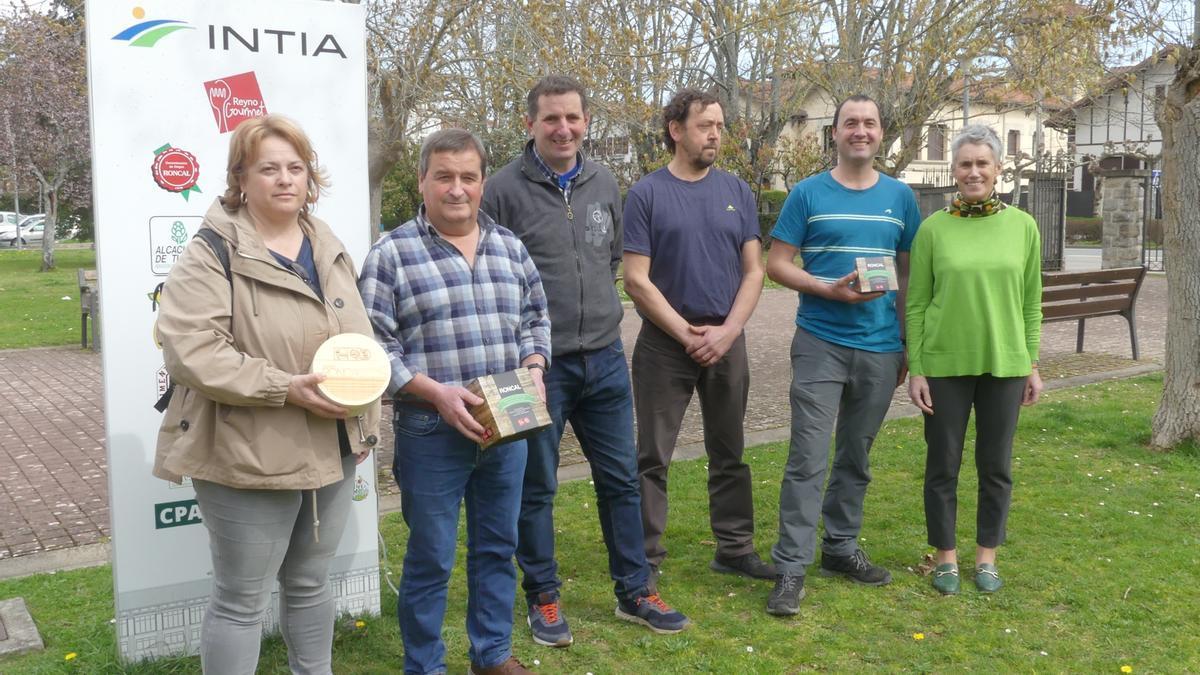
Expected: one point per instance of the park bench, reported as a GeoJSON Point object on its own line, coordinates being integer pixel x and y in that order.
{"type": "Point", "coordinates": [89, 305]}
{"type": "Point", "coordinates": [1078, 296]}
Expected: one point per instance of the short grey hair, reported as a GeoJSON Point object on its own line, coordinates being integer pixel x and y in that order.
{"type": "Point", "coordinates": [452, 140]}
{"type": "Point", "coordinates": [977, 134]}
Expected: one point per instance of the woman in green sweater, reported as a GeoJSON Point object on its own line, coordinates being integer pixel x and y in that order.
{"type": "Point", "coordinates": [974, 321]}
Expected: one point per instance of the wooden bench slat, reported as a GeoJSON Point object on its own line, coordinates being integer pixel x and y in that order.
{"type": "Point", "coordinates": [1089, 308]}
{"type": "Point", "coordinates": [1123, 288]}
{"type": "Point", "coordinates": [1050, 279]}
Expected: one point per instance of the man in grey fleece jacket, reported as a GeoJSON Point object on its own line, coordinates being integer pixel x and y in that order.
{"type": "Point", "coordinates": [567, 211]}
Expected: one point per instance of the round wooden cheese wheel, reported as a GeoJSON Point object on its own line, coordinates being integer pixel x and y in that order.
{"type": "Point", "coordinates": [355, 367]}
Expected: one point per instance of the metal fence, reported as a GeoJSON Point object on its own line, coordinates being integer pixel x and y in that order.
{"type": "Point", "coordinates": [1048, 206]}
{"type": "Point", "coordinates": [1153, 255]}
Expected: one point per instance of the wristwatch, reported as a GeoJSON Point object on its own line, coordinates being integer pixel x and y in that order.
{"type": "Point", "coordinates": [537, 364]}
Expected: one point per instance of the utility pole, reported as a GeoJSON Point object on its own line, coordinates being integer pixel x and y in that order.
{"type": "Point", "coordinates": [966, 71]}
{"type": "Point", "coordinates": [12, 144]}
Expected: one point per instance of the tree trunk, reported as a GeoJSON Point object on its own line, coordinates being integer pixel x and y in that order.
{"type": "Point", "coordinates": [1178, 416]}
{"type": "Point", "coordinates": [50, 196]}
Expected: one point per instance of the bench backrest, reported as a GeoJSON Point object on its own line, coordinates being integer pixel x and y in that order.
{"type": "Point", "coordinates": [1074, 295]}
{"type": "Point", "coordinates": [87, 278]}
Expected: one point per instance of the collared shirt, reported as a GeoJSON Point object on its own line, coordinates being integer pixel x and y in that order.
{"type": "Point", "coordinates": [436, 315]}
{"type": "Point", "coordinates": [564, 181]}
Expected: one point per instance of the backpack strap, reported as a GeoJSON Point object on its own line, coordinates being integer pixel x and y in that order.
{"type": "Point", "coordinates": [221, 250]}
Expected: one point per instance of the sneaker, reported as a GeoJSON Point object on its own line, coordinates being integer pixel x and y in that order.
{"type": "Point", "coordinates": [510, 667]}
{"type": "Point", "coordinates": [546, 622]}
{"type": "Point", "coordinates": [653, 613]}
{"type": "Point", "coordinates": [785, 598]}
{"type": "Point", "coordinates": [856, 566]}
{"type": "Point", "coordinates": [749, 565]}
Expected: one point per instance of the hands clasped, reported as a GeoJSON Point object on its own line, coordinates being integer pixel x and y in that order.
{"type": "Point", "coordinates": [708, 344]}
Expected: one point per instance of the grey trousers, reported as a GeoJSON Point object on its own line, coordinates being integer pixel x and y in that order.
{"type": "Point", "coordinates": [854, 386]}
{"type": "Point", "coordinates": [256, 536]}
{"type": "Point", "coordinates": [997, 403]}
{"type": "Point", "coordinates": [664, 377]}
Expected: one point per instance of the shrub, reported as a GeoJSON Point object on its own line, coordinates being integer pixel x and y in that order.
{"type": "Point", "coordinates": [1087, 229]}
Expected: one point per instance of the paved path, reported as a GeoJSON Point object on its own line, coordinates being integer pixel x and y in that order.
{"type": "Point", "coordinates": [53, 467]}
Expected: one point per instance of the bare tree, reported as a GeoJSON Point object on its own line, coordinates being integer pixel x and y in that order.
{"type": "Point", "coordinates": [45, 100]}
{"type": "Point", "coordinates": [1178, 415]}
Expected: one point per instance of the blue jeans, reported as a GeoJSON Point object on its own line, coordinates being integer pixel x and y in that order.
{"type": "Point", "coordinates": [436, 467]}
{"type": "Point", "coordinates": [590, 390]}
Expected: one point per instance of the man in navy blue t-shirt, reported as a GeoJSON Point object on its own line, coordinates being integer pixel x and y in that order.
{"type": "Point", "coordinates": [847, 354]}
{"type": "Point", "coordinates": [693, 268]}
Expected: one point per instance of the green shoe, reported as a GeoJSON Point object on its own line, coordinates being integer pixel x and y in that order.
{"type": "Point", "coordinates": [945, 578]}
{"type": "Point", "coordinates": [987, 579]}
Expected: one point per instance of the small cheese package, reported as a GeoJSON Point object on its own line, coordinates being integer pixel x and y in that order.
{"type": "Point", "coordinates": [876, 274]}
{"type": "Point", "coordinates": [511, 408]}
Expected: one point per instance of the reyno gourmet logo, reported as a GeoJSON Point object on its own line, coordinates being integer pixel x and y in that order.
{"type": "Point", "coordinates": [148, 33]}
{"type": "Point", "coordinates": [234, 100]}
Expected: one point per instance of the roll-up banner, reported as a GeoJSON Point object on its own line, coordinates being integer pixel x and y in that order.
{"type": "Point", "coordinates": [169, 81]}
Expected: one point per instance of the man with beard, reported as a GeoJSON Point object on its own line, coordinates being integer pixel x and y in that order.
{"type": "Point", "coordinates": [847, 354]}
{"type": "Point", "coordinates": [693, 268]}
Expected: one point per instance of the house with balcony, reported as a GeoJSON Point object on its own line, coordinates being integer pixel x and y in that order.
{"type": "Point", "coordinates": [1117, 128]}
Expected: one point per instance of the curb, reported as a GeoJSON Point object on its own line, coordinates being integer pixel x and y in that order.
{"type": "Point", "coordinates": [92, 555]}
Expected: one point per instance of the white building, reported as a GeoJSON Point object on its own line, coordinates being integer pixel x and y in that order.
{"type": "Point", "coordinates": [1118, 127]}
{"type": "Point", "coordinates": [1012, 115]}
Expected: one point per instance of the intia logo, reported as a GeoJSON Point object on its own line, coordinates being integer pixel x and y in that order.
{"type": "Point", "coordinates": [148, 33]}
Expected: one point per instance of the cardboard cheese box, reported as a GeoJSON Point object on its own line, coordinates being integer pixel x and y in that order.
{"type": "Point", "coordinates": [511, 409]}
{"type": "Point", "coordinates": [876, 274]}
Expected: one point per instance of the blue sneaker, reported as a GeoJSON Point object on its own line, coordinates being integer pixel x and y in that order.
{"type": "Point", "coordinates": [653, 613]}
{"type": "Point", "coordinates": [546, 622]}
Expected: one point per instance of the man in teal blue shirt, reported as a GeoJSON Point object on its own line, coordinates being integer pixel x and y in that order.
{"type": "Point", "coordinates": [847, 354]}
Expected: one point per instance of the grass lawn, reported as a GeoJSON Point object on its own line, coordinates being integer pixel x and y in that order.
{"type": "Point", "coordinates": [33, 312]}
{"type": "Point", "coordinates": [1101, 567]}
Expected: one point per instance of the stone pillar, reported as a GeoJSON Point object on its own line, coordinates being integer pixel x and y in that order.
{"type": "Point", "coordinates": [1124, 211]}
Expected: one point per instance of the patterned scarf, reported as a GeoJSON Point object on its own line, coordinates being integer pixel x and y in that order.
{"type": "Point", "coordinates": [964, 209]}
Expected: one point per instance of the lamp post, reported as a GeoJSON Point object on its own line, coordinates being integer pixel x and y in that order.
{"type": "Point", "coordinates": [12, 144]}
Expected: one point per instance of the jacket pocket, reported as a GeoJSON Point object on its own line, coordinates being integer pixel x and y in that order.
{"type": "Point", "coordinates": [414, 422]}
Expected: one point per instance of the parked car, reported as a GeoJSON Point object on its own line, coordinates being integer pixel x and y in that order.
{"type": "Point", "coordinates": [8, 222]}
{"type": "Point", "coordinates": [29, 235]}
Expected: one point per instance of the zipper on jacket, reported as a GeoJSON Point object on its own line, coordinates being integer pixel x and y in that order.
{"type": "Point", "coordinates": [578, 264]}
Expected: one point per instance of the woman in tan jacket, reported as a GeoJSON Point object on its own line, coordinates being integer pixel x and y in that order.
{"type": "Point", "coordinates": [271, 460]}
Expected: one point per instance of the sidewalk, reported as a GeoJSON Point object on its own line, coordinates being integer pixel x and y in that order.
{"type": "Point", "coordinates": [54, 473]}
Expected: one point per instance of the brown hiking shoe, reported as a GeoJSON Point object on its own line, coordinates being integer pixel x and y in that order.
{"type": "Point", "coordinates": [510, 667]}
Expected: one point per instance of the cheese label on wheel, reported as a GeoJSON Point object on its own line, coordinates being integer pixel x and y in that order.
{"type": "Point", "coordinates": [356, 370]}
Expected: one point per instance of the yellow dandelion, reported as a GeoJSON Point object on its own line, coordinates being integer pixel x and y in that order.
{"type": "Point", "coordinates": [71, 656]}
{"type": "Point", "coordinates": [1126, 669]}
{"type": "Point", "coordinates": [360, 624]}
{"type": "Point", "coordinates": [918, 636]}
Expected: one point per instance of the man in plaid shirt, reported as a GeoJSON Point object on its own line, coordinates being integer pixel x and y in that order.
{"type": "Point", "coordinates": [453, 296]}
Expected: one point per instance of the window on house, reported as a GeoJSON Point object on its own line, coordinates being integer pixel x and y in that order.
{"type": "Point", "coordinates": [827, 138]}
{"type": "Point", "coordinates": [1014, 142]}
{"type": "Point", "coordinates": [936, 145]}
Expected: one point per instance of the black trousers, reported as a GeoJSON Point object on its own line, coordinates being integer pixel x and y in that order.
{"type": "Point", "coordinates": [997, 404]}
{"type": "Point", "coordinates": [664, 378]}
